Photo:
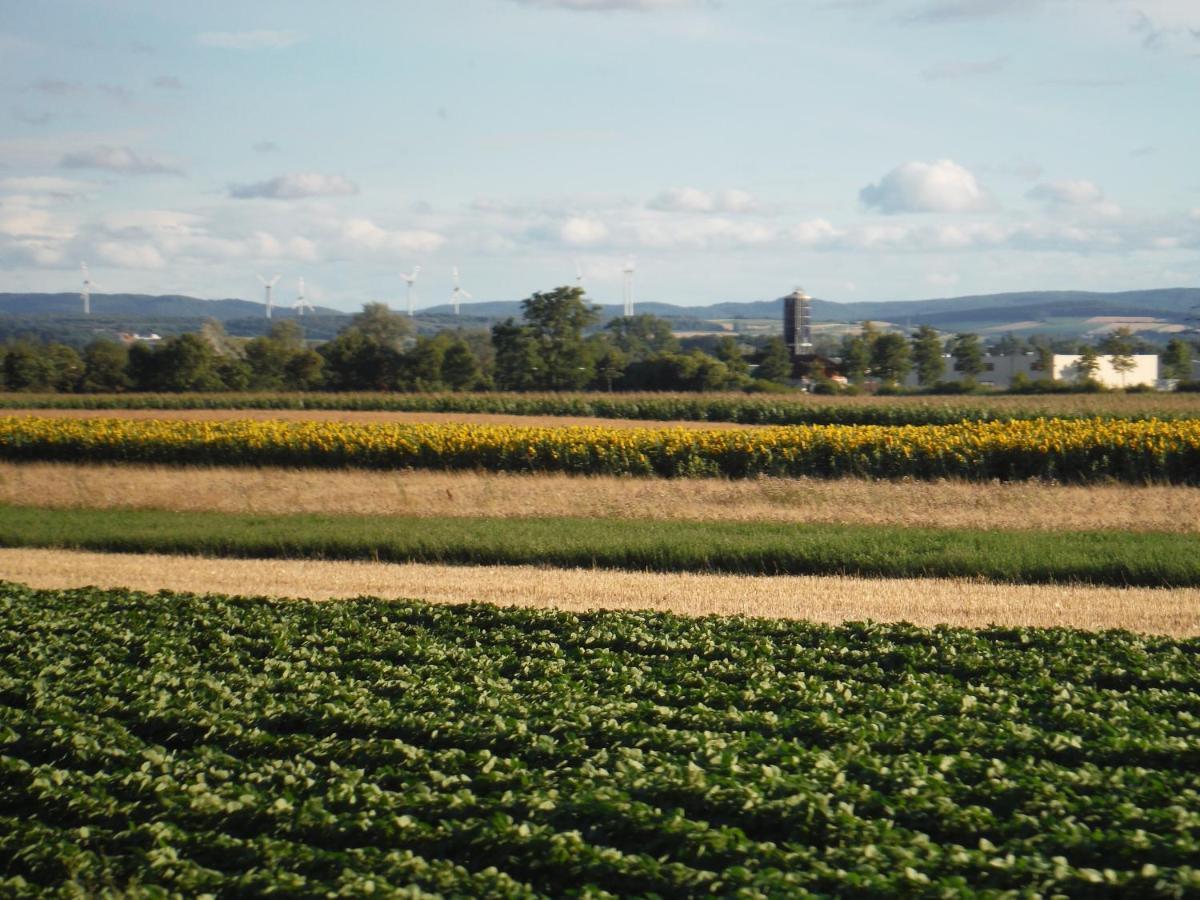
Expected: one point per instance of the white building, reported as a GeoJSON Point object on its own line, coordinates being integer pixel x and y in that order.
{"type": "Point", "coordinates": [999, 371]}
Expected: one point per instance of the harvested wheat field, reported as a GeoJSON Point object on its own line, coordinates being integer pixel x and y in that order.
{"type": "Point", "coordinates": [362, 416]}
{"type": "Point", "coordinates": [821, 599]}
{"type": "Point", "coordinates": [947, 504]}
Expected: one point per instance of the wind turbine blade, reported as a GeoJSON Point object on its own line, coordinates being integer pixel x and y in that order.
{"type": "Point", "coordinates": [274, 281]}
{"type": "Point", "coordinates": [261, 279]}
{"type": "Point", "coordinates": [465, 295]}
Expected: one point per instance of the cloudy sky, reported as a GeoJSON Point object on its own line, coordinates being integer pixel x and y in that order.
{"type": "Point", "coordinates": [865, 149]}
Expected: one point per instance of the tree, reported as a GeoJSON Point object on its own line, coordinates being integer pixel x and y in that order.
{"type": "Point", "coordinates": [1120, 345]}
{"type": "Point", "coordinates": [379, 324]}
{"type": "Point", "coordinates": [1009, 345]}
{"type": "Point", "coordinates": [556, 320]}
{"type": "Point", "coordinates": [967, 352]}
{"type": "Point", "coordinates": [1177, 360]}
{"type": "Point", "coordinates": [641, 336]}
{"type": "Point", "coordinates": [367, 353]}
{"type": "Point", "coordinates": [927, 356]}
{"type": "Point", "coordinates": [104, 367]}
{"type": "Point", "coordinates": [517, 357]}
{"type": "Point", "coordinates": [66, 365]}
{"type": "Point", "coordinates": [28, 368]}
{"type": "Point", "coordinates": [856, 357]}
{"type": "Point", "coordinates": [187, 362]}
{"type": "Point", "coordinates": [304, 371]}
{"type": "Point", "coordinates": [460, 368]}
{"type": "Point", "coordinates": [730, 353]}
{"type": "Point", "coordinates": [889, 357]}
{"type": "Point", "coordinates": [608, 361]}
{"type": "Point", "coordinates": [1044, 351]}
{"type": "Point", "coordinates": [774, 362]}
{"type": "Point", "coordinates": [1087, 365]}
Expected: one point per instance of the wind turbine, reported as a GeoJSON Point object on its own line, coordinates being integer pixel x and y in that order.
{"type": "Point", "coordinates": [627, 286]}
{"type": "Point", "coordinates": [410, 279]}
{"type": "Point", "coordinates": [301, 303]}
{"type": "Point", "coordinates": [268, 285]}
{"type": "Point", "coordinates": [85, 294]}
{"type": "Point", "coordinates": [458, 293]}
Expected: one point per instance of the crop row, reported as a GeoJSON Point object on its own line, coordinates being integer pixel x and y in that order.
{"type": "Point", "coordinates": [1054, 449]}
{"type": "Point", "coordinates": [208, 745]}
{"type": "Point", "coordinates": [796, 409]}
{"type": "Point", "coordinates": [1119, 558]}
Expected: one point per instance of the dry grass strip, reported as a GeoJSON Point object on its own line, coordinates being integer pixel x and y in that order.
{"type": "Point", "coordinates": [823, 599]}
{"type": "Point", "coordinates": [362, 416]}
{"type": "Point", "coordinates": [948, 504]}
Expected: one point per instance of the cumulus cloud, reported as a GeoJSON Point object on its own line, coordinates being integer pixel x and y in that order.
{"type": "Point", "coordinates": [116, 159]}
{"type": "Point", "coordinates": [44, 186]}
{"type": "Point", "coordinates": [365, 234]}
{"type": "Point", "coordinates": [579, 231]}
{"type": "Point", "coordinates": [295, 186]}
{"type": "Point", "coordinates": [964, 69]}
{"type": "Point", "coordinates": [1068, 193]}
{"type": "Point", "coordinates": [128, 255]}
{"type": "Point", "coordinates": [917, 187]}
{"type": "Point", "coordinates": [609, 5]}
{"type": "Point", "coordinates": [248, 40]}
{"type": "Point", "coordinates": [690, 199]}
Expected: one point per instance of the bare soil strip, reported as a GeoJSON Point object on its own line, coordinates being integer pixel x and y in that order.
{"type": "Point", "coordinates": [946, 504]}
{"type": "Point", "coordinates": [362, 416]}
{"type": "Point", "coordinates": [926, 602]}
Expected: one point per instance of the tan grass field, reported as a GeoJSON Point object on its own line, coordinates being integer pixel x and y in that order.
{"type": "Point", "coordinates": [359, 416]}
{"type": "Point", "coordinates": [949, 504]}
{"type": "Point", "coordinates": [824, 599]}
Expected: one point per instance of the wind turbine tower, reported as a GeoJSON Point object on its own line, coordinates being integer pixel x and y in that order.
{"type": "Point", "coordinates": [301, 303]}
{"type": "Point", "coordinates": [85, 294]}
{"type": "Point", "coordinates": [268, 286]}
{"type": "Point", "coordinates": [410, 279]}
{"type": "Point", "coordinates": [458, 294]}
{"type": "Point", "coordinates": [627, 286]}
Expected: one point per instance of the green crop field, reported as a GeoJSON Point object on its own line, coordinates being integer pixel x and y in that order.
{"type": "Point", "coordinates": [1121, 558]}
{"type": "Point", "coordinates": [179, 744]}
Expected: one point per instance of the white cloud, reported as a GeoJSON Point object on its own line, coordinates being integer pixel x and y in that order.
{"type": "Point", "coordinates": [248, 40]}
{"type": "Point", "coordinates": [916, 187]}
{"type": "Point", "coordinates": [116, 159]}
{"type": "Point", "coordinates": [690, 199]}
{"type": "Point", "coordinates": [1068, 193]}
{"type": "Point", "coordinates": [129, 255]}
{"type": "Point", "coordinates": [45, 186]}
{"type": "Point", "coordinates": [581, 232]}
{"type": "Point", "coordinates": [365, 234]}
{"type": "Point", "coordinates": [295, 187]}
{"type": "Point", "coordinates": [939, 11]}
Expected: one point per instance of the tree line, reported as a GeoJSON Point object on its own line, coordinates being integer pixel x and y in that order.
{"type": "Point", "coordinates": [556, 345]}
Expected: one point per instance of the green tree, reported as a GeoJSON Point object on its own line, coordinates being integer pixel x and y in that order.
{"type": "Point", "coordinates": [927, 356]}
{"type": "Point", "coordinates": [378, 323]}
{"type": "Point", "coordinates": [641, 336]}
{"type": "Point", "coordinates": [856, 357]}
{"type": "Point", "coordinates": [368, 353]}
{"type": "Point", "coordinates": [889, 357]}
{"type": "Point", "coordinates": [1119, 346]}
{"type": "Point", "coordinates": [67, 365]}
{"type": "Point", "coordinates": [1043, 349]}
{"type": "Point", "coordinates": [1087, 365]}
{"type": "Point", "coordinates": [774, 361]}
{"type": "Point", "coordinates": [1009, 345]}
{"type": "Point", "coordinates": [608, 361]}
{"type": "Point", "coordinates": [967, 352]}
{"type": "Point", "coordinates": [556, 320]}
{"type": "Point", "coordinates": [517, 359]}
{"type": "Point", "coordinates": [1177, 360]}
{"type": "Point", "coordinates": [104, 367]}
{"type": "Point", "coordinates": [460, 368]}
{"type": "Point", "coordinates": [729, 352]}
{"type": "Point", "coordinates": [27, 367]}
{"type": "Point", "coordinates": [187, 362]}
{"type": "Point", "coordinates": [305, 371]}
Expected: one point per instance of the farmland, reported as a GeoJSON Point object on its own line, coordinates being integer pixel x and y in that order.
{"type": "Point", "coordinates": [239, 746]}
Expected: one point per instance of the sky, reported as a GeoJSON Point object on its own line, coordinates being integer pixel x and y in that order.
{"type": "Point", "coordinates": [733, 149]}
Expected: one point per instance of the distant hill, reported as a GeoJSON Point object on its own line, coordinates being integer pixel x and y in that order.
{"type": "Point", "coordinates": [142, 306]}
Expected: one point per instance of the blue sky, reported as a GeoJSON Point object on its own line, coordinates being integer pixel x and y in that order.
{"type": "Point", "coordinates": [865, 149]}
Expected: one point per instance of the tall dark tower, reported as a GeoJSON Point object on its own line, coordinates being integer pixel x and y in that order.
{"type": "Point", "coordinates": [797, 322]}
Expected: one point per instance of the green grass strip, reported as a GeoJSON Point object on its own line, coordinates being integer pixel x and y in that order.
{"type": "Point", "coordinates": [1146, 559]}
{"type": "Point", "coordinates": [772, 409]}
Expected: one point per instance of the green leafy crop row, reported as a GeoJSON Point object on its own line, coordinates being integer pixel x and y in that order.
{"type": "Point", "coordinates": [175, 743]}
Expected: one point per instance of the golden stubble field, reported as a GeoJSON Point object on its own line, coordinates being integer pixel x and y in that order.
{"type": "Point", "coordinates": [948, 504]}
{"type": "Point", "coordinates": [925, 602]}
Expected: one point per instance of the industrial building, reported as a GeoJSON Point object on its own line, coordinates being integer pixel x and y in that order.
{"type": "Point", "coordinates": [1000, 371]}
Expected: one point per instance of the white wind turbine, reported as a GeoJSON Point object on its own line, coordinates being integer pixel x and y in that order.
{"type": "Point", "coordinates": [85, 293]}
{"type": "Point", "coordinates": [458, 294]}
{"type": "Point", "coordinates": [301, 303]}
{"type": "Point", "coordinates": [268, 286]}
{"type": "Point", "coordinates": [627, 286]}
{"type": "Point", "coordinates": [410, 278]}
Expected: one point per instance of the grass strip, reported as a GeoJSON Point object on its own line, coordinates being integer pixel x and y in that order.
{"type": "Point", "coordinates": [792, 409]}
{"type": "Point", "coordinates": [1088, 557]}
